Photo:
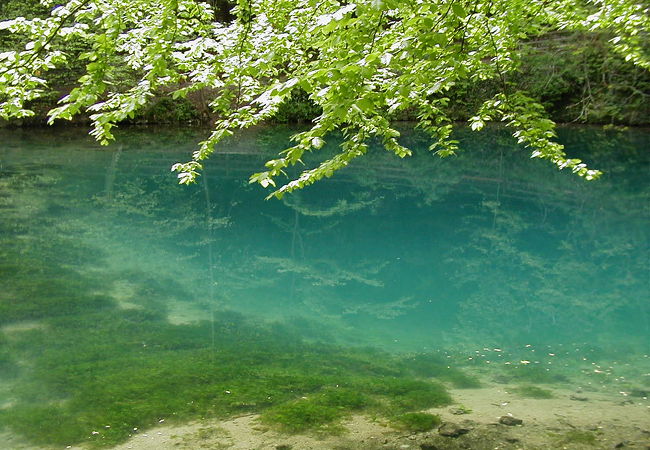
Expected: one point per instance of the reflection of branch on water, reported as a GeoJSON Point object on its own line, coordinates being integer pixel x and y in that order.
{"type": "Point", "coordinates": [290, 227]}
{"type": "Point", "coordinates": [110, 175]}
{"type": "Point", "coordinates": [297, 247]}
{"type": "Point", "coordinates": [322, 273]}
{"type": "Point", "coordinates": [384, 310]}
{"type": "Point", "coordinates": [341, 207]}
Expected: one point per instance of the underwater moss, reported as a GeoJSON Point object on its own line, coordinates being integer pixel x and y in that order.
{"type": "Point", "coordinates": [131, 368]}
{"type": "Point", "coordinates": [578, 437]}
{"type": "Point", "coordinates": [40, 280]}
{"type": "Point", "coordinates": [345, 398]}
{"type": "Point", "coordinates": [56, 425]}
{"type": "Point", "coordinates": [416, 422]}
{"type": "Point", "coordinates": [96, 371]}
{"type": "Point", "coordinates": [315, 411]}
{"type": "Point", "coordinates": [530, 391]}
{"type": "Point", "coordinates": [6, 361]}
{"type": "Point", "coordinates": [8, 366]}
{"type": "Point", "coordinates": [38, 306]}
{"type": "Point", "coordinates": [302, 415]}
{"type": "Point", "coordinates": [432, 366]}
{"type": "Point", "coordinates": [404, 394]}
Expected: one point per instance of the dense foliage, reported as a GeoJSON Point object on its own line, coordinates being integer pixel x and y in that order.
{"type": "Point", "coordinates": [362, 63]}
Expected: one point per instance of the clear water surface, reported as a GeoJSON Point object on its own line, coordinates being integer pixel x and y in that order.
{"type": "Point", "coordinates": [125, 297]}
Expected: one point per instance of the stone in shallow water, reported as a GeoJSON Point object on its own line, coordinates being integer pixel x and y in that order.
{"type": "Point", "coordinates": [510, 421]}
{"type": "Point", "coordinates": [450, 429]}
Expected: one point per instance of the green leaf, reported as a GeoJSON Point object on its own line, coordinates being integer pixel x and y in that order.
{"type": "Point", "coordinates": [459, 10]}
{"type": "Point", "coordinates": [361, 62]}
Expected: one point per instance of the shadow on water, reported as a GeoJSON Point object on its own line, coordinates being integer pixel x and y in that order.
{"type": "Point", "coordinates": [127, 299]}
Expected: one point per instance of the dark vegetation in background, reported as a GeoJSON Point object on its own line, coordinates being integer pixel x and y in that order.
{"type": "Point", "coordinates": [575, 76]}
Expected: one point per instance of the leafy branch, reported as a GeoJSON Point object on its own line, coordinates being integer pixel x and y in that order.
{"type": "Point", "coordinates": [360, 62]}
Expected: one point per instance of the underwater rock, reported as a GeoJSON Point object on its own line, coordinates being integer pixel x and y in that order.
{"type": "Point", "coordinates": [450, 429]}
{"type": "Point", "coordinates": [428, 447]}
{"type": "Point", "coordinates": [510, 421]}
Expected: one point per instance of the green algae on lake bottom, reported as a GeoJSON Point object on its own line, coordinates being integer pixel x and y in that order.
{"type": "Point", "coordinates": [529, 391]}
{"type": "Point", "coordinates": [417, 422]}
{"type": "Point", "coordinates": [130, 369]}
{"type": "Point", "coordinates": [127, 299]}
{"type": "Point", "coordinates": [578, 437]}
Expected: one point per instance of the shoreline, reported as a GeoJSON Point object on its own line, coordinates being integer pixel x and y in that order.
{"type": "Point", "coordinates": [208, 125]}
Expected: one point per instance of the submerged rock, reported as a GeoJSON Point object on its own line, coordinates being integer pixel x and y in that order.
{"type": "Point", "coordinates": [450, 429]}
{"type": "Point", "coordinates": [510, 421]}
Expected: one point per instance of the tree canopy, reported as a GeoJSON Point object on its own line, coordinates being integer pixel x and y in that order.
{"type": "Point", "coordinates": [363, 62]}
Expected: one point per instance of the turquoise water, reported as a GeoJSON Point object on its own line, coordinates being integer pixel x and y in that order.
{"type": "Point", "coordinates": [112, 274]}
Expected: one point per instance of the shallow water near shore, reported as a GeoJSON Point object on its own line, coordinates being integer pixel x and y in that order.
{"type": "Point", "coordinates": [129, 301]}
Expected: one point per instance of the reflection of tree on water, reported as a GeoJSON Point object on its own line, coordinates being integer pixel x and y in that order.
{"type": "Point", "coordinates": [209, 223]}
{"type": "Point", "coordinates": [554, 268]}
{"type": "Point", "coordinates": [474, 234]}
{"type": "Point", "coordinates": [385, 311]}
{"type": "Point", "coordinates": [327, 274]}
{"type": "Point", "coordinates": [505, 255]}
{"type": "Point", "coordinates": [110, 176]}
{"type": "Point", "coordinates": [313, 277]}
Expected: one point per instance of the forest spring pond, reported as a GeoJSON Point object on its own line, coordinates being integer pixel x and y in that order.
{"type": "Point", "coordinates": [127, 300]}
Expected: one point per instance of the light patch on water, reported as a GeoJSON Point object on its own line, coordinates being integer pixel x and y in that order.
{"type": "Point", "coordinates": [6, 399]}
{"type": "Point", "coordinates": [184, 313]}
{"type": "Point", "coordinates": [387, 311]}
{"type": "Point", "coordinates": [13, 329]}
{"type": "Point", "coordinates": [125, 295]}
